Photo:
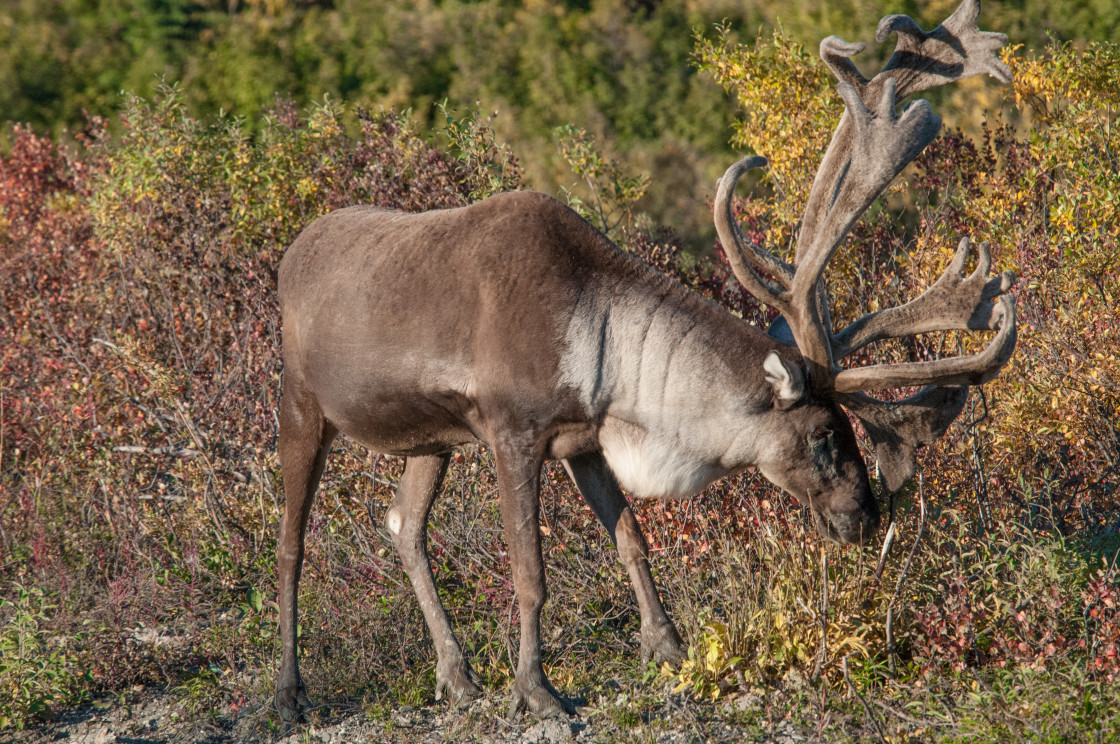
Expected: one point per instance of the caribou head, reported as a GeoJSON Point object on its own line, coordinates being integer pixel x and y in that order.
{"type": "Point", "coordinates": [515, 323]}
{"type": "Point", "coordinates": [871, 145]}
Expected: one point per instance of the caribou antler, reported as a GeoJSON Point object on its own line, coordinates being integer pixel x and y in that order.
{"type": "Point", "coordinates": [955, 50]}
{"type": "Point", "coordinates": [954, 302]}
{"type": "Point", "coordinates": [871, 145]}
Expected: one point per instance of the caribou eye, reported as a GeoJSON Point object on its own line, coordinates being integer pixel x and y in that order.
{"type": "Point", "coordinates": [822, 450]}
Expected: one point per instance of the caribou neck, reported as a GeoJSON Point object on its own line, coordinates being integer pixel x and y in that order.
{"type": "Point", "coordinates": [675, 382]}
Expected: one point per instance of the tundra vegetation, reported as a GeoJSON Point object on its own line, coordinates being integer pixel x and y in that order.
{"type": "Point", "coordinates": [140, 492]}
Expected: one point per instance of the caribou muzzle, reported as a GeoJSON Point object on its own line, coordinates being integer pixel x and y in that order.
{"type": "Point", "coordinates": [851, 527]}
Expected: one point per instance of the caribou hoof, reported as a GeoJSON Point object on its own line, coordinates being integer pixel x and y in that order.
{"type": "Point", "coordinates": [458, 681]}
{"type": "Point", "coordinates": [541, 700]}
{"type": "Point", "coordinates": [292, 703]}
{"type": "Point", "coordinates": [663, 644]}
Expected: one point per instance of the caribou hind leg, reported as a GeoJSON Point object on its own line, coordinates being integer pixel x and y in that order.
{"type": "Point", "coordinates": [660, 640]}
{"type": "Point", "coordinates": [304, 441]}
{"type": "Point", "coordinates": [407, 520]}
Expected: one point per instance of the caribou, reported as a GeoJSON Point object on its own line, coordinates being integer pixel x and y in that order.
{"type": "Point", "coordinates": [515, 323]}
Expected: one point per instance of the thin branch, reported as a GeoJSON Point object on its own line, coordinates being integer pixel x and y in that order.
{"type": "Point", "coordinates": [867, 708]}
{"type": "Point", "coordinates": [137, 449]}
{"type": "Point", "coordinates": [822, 613]}
{"type": "Point", "coordinates": [909, 719]}
{"type": "Point", "coordinates": [888, 541]}
{"type": "Point", "coordinates": [977, 463]}
{"type": "Point", "coordinates": [905, 570]}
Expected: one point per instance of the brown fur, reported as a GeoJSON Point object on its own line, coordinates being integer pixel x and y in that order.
{"type": "Point", "coordinates": [513, 322]}
{"type": "Point", "coordinates": [415, 333]}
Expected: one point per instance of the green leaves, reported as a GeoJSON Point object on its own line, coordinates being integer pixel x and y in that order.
{"type": "Point", "coordinates": [613, 193]}
{"type": "Point", "coordinates": [36, 671]}
{"type": "Point", "coordinates": [255, 599]}
{"type": "Point", "coordinates": [489, 167]}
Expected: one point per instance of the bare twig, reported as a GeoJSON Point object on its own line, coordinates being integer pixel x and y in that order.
{"type": "Point", "coordinates": [822, 614]}
{"type": "Point", "coordinates": [3, 535]}
{"type": "Point", "coordinates": [359, 534]}
{"type": "Point", "coordinates": [67, 348]}
{"type": "Point", "coordinates": [905, 570]}
{"type": "Point", "coordinates": [977, 462]}
{"type": "Point", "coordinates": [139, 449]}
{"type": "Point", "coordinates": [925, 723]}
{"type": "Point", "coordinates": [108, 344]}
{"type": "Point", "coordinates": [1002, 704]}
{"type": "Point", "coordinates": [863, 702]}
{"type": "Point", "coordinates": [888, 541]}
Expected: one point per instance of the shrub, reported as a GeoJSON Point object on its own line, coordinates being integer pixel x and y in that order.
{"type": "Point", "coordinates": [139, 351]}
{"type": "Point", "coordinates": [37, 670]}
{"type": "Point", "coordinates": [1038, 449]}
{"type": "Point", "coordinates": [139, 374]}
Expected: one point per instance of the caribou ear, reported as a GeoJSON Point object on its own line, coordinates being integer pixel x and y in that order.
{"type": "Point", "coordinates": [897, 430]}
{"type": "Point", "coordinates": [786, 378]}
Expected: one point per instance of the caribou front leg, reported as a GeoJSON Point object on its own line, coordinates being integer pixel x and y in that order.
{"type": "Point", "coordinates": [519, 468]}
{"type": "Point", "coordinates": [407, 519]}
{"type": "Point", "coordinates": [660, 639]}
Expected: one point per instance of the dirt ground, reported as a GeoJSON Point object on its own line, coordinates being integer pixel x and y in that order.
{"type": "Point", "coordinates": [150, 717]}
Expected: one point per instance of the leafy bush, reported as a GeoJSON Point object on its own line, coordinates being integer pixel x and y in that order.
{"type": "Point", "coordinates": [613, 194]}
{"type": "Point", "coordinates": [1027, 478]}
{"type": "Point", "coordinates": [139, 375]}
{"type": "Point", "coordinates": [139, 350]}
{"type": "Point", "coordinates": [36, 669]}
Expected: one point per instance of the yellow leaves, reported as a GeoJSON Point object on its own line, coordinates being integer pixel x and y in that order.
{"type": "Point", "coordinates": [851, 644]}
{"type": "Point", "coordinates": [710, 667]}
{"type": "Point", "coordinates": [716, 650]}
{"type": "Point", "coordinates": [789, 106]}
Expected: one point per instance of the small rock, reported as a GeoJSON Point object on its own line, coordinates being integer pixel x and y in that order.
{"type": "Point", "coordinates": [155, 637]}
{"type": "Point", "coordinates": [743, 703]}
{"type": "Point", "coordinates": [99, 735]}
{"type": "Point", "coordinates": [328, 734]}
{"type": "Point", "coordinates": [548, 731]}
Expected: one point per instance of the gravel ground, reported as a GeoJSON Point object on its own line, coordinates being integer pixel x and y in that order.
{"type": "Point", "coordinates": [160, 718]}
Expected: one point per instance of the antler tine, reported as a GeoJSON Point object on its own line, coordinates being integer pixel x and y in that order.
{"type": "Point", "coordinates": [837, 54]}
{"type": "Point", "coordinates": [954, 50]}
{"type": "Point", "coordinates": [975, 369]}
{"type": "Point", "coordinates": [882, 144]}
{"type": "Point", "coordinates": [746, 257]}
{"type": "Point", "coordinates": [954, 302]}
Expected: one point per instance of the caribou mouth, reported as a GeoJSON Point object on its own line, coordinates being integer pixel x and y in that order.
{"type": "Point", "coordinates": [845, 529]}
{"type": "Point", "coordinates": [826, 529]}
